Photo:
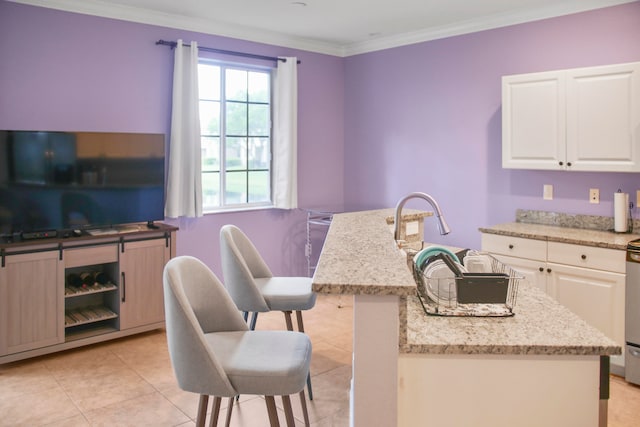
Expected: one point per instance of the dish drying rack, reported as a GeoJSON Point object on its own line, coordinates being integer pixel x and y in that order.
{"type": "Point", "coordinates": [487, 294]}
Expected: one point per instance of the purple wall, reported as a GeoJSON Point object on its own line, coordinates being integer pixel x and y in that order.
{"type": "Point", "coordinates": [65, 71]}
{"type": "Point", "coordinates": [372, 127]}
{"type": "Point", "coordinates": [427, 117]}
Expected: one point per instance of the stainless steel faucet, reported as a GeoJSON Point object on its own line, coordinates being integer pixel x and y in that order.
{"type": "Point", "coordinates": [442, 224]}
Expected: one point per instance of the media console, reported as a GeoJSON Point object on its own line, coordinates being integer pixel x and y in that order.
{"type": "Point", "coordinates": [62, 293]}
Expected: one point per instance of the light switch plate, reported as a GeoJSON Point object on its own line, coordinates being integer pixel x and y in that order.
{"type": "Point", "coordinates": [594, 195]}
{"type": "Point", "coordinates": [547, 192]}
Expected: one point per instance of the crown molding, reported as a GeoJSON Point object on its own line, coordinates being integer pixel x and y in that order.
{"type": "Point", "coordinates": [475, 25]}
{"type": "Point", "coordinates": [151, 17]}
{"type": "Point", "coordinates": [145, 16]}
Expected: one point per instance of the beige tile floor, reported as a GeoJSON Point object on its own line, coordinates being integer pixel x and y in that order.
{"type": "Point", "coordinates": [129, 382]}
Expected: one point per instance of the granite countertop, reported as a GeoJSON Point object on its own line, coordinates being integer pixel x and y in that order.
{"type": "Point", "coordinates": [360, 256]}
{"type": "Point", "coordinates": [540, 326]}
{"type": "Point", "coordinates": [553, 233]}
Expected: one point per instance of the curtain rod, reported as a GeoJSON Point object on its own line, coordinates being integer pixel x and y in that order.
{"type": "Point", "coordinates": [225, 52]}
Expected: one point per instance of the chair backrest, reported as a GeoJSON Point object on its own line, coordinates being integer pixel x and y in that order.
{"type": "Point", "coordinates": [241, 263]}
{"type": "Point", "coordinates": [197, 303]}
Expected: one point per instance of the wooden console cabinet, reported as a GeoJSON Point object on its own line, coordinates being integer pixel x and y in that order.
{"type": "Point", "coordinates": [41, 312]}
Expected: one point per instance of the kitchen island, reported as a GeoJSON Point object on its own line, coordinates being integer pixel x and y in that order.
{"type": "Point", "coordinates": [540, 367]}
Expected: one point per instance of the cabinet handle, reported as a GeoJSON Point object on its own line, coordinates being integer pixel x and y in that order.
{"type": "Point", "coordinates": [510, 246]}
{"type": "Point", "coordinates": [569, 164]}
{"type": "Point", "coordinates": [548, 270]}
{"type": "Point", "coordinates": [561, 163]}
{"type": "Point", "coordinates": [583, 256]}
{"type": "Point", "coordinates": [541, 269]}
{"type": "Point", "coordinates": [123, 283]}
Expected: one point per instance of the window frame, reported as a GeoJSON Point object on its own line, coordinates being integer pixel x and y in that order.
{"type": "Point", "coordinates": [223, 205]}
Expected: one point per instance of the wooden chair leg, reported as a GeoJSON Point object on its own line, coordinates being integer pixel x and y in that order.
{"type": "Point", "coordinates": [287, 318]}
{"type": "Point", "coordinates": [215, 411]}
{"type": "Point", "coordinates": [288, 412]}
{"type": "Point", "coordinates": [305, 413]}
{"type": "Point", "coordinates": [202, 410]}
{"type": "Point", "coordinates": [301, 329]}
{"type": "Point", "coordinates": [229, 411]}
{"type": "Point", "coordinates": [299, 318]}
{"type": "Point", "coordinates": [272, 411]}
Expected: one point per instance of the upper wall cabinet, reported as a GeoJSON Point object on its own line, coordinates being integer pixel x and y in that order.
{"type": "Point", "coordinates": [583, 119]}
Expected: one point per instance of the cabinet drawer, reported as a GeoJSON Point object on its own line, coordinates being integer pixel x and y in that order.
{"type": "Point", "coordinates": [515, 246]}
{"type": "Point", "coordinates": [90, 256]}
{"type": "Point", "coordinates": [587, 257]}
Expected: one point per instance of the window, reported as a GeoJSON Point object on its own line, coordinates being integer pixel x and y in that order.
{"type": "Point", "coordinates": [235, 135]}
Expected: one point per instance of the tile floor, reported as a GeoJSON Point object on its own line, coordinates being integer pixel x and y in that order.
{"type": "Point", "coordinates": [129, 382]}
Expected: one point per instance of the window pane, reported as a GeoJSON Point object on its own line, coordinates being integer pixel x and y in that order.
{"type": "Point", "coordinates": [236, 118]}
{"type": "Point", "coordinates": [259, 187]}
{"type": "Point", "coordinates": [209, 81]}
{"type": "Point", "coordinates": [236, 154]}
{"type": "Point", "coordinates": [210, 154]}
{"type": "Point", "coordinates": [236, 187]}
{"type": "Point", "coordinates": [210, 190]}
{"type": "Point", "coordinates": [236, 85]}
{"type": "Point", "coordinates": [258, 87]}
{"type": "Point", "coordinates": [259, 119]}
{"type": "Point", "coordinates": [259, 153]}
{"type": "Point", "coordinates": [210, 118]}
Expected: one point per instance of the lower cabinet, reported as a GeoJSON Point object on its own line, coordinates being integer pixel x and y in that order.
{"type": "Point", "coordinates": [589, 281]}
{"type": "Point", "coordinates": [31, 301]}
{"type": "Point", "coordinates": [57, 295]}
{"type": "Point", "coordinates": [595, 295]}
{"type": "Point", "coordinates": [141, 296]}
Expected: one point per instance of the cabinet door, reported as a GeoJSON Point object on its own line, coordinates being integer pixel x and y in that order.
{"type": "Point", "coordinates": [603, 118]}
{"type": "Point", "coordinates": [533, 272]}
{"type": "Point", "coordinates": [31, 302]}
{"type": "Point", "coordinates": [596, 296]}
{"type": "Point", "coordinates": [533, 121]}
{"type": "Point", "coordinates": [141, 296]}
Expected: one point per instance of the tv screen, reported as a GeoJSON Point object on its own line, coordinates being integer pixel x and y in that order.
{"type": "Point", "coordinates": [60, 181]}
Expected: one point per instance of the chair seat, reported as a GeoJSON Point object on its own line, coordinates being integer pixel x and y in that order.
{"type": "Point", "coordinates": [287, 293]}
{"type": "Point", "coordinates": [268, 363]}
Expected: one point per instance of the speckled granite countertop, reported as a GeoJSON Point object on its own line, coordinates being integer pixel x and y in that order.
{"type": "Point", "coordinates": [552, 233]}
{"type": "Point", "coordinates": [360, 257]}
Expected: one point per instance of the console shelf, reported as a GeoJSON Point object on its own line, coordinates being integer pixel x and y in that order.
{"type": "Point", "coordinates": [82, 316]}
{"type": "Point", "coordinates": [71, 292]}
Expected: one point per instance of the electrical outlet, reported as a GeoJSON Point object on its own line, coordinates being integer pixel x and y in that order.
{"type": "Point", "coordinates": [637, 198]}
{"type": "Point", "coordinates": [547, 192]}
{"type": "Point", "coordinates": [594, 195]}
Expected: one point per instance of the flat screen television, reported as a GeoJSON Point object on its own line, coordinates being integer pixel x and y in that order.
{"type": "Point", "coordinates": [53, 183]}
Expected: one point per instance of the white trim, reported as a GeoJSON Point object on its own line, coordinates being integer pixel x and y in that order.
{"type": "Point", "coordinates": [144, 16]}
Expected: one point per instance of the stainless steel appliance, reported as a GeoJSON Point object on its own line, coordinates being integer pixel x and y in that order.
{"type": "Point", "coordinates": [632, 313]}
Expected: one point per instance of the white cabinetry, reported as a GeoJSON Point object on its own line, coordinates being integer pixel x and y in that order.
{"type": "Point", "coordinates": [587, 280]}
{"type": "Point", "coordinates": [583, 119]}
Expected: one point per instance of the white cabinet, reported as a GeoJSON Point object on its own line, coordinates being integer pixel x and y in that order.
{"type": "Point", "coordinates": [587, 280]}
{"type": "Point", "coordinates": [526, 256]}
{"type": "Point", "coordinates": [590, 282]}
{"type": "Point", "coordinates": [583, 119]}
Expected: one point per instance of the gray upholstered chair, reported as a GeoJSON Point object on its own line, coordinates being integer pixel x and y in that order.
{"type": "Point", "coordinates": [213, 352]}
{"type": "Point", "coordinates": [253, 287]}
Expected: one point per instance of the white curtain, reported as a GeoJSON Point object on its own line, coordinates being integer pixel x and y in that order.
{"type": "Point", "coordinates": [184, 180]}
{"type": "Point", "coordinates": [285, 135]}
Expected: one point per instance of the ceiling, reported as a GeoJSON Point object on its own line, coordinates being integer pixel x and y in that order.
{"type": "Point", "coordinates": [334, 27]}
